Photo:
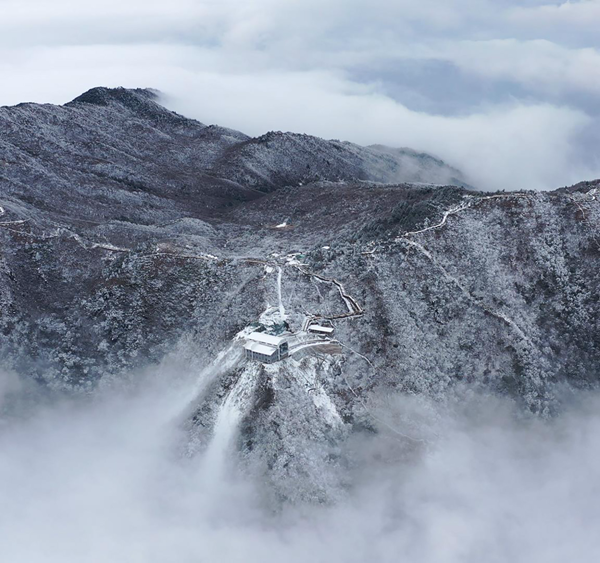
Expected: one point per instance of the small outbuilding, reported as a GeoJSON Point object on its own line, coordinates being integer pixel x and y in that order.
{"type": "Point", "coordinates": [321, 330]}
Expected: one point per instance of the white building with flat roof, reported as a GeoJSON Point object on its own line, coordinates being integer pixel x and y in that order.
{"type": "Point", "coordinates": [265, 348]}
{"type": "Point", "coordinates": [319, 329]}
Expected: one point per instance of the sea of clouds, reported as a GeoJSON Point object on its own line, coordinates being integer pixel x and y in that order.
{"type": "Point", "coordinates": [103, 479]}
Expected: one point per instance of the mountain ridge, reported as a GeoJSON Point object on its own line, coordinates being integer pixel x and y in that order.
{"type": "Point", "coordinates": [127, 127]}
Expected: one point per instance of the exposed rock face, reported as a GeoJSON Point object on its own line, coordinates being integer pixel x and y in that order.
{"type": "Point", "coordinates": [128, 231]}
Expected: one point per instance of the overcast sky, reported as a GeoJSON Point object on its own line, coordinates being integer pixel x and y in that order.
{"type": "Point", "coordinates": [507, 91]}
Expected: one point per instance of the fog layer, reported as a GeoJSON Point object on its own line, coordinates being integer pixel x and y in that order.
{"type": "Point", "coordinates": [103, 480]}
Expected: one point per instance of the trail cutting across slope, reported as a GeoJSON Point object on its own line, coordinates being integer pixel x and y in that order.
{"type": "Point", "coordinates": [466, 204]}
{"type": "Point", "coordinates": [354, 309]}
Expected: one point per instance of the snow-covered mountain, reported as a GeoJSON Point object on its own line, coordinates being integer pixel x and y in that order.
{"type": "Point", "coordinates": [118, 153]}
{"type": "Point", "coordinates": [131, 234]}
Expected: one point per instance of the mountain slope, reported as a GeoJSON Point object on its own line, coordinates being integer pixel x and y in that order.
{"type": "Point", "coordinates": [132, 236]}
{"type": "Point", "coordinates": [279, 159]}
{"type": "Point", "coordinates": [136, 160]}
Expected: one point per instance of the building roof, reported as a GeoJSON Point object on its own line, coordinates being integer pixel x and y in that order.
{"type": "Point", "coordinates": [266, 338]}
{"type": "Point", "coordinates": [259, 348]}
{"type": "Point", "coordinates": [319, 328]}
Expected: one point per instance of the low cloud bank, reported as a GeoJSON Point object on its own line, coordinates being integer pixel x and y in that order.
{"type": "Point", "coordinates": [505, 92]}
{"type": "Point", "coordinates": [103, 481]}
{"type": "Point", "coordinates": [513, 145]}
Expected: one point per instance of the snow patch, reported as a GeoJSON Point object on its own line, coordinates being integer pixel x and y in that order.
{"type": "Point", "coordinates": [279, 295]}
{"type": "Point", "coordinates": [227, 423]}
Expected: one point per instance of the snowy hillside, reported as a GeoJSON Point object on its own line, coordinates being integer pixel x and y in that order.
{"type": "Point", "coordinates": [133, 237]}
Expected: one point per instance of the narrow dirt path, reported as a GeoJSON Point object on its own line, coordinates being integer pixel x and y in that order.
{"type": "Point", "coordinates": [354, 309]}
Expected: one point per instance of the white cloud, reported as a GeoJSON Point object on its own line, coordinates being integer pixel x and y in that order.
{"type": "Point", "coordinates": [584, 14]}
{"type": "Point", "coordinates": [268, 64]}
{"type": "Point", "coordinates": [506, 147]}
{"type": "Point", "coordinates": [100, 482]}
{"type": "Point", "coordinates": [538, 64]}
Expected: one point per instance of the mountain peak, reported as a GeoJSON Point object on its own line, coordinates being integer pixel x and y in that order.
{"type": "Point", "coordinates": [102, 96]}
{"type": "Point", "coordinates": [143, 102]}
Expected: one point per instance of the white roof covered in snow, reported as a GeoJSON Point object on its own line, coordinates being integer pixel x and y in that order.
{"type": "Point", "coordinates": [266, 338]}
{"type": "Point", "coordinates": [319, 328]}
{"type": "Point", "coordinates": [260, 348]}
